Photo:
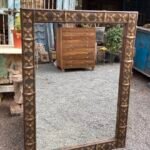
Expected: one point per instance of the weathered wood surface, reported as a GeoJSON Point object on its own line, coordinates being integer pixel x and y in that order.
{"type": "Point", "coordinates": [75, 48]}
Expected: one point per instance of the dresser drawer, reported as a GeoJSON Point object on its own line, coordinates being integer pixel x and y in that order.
{"type": "Point", "coordinates": [78, 50]}
{"type": "Point", "coordinates": [79, 45]}
{"type": "Point", "coordinates": [78, 30]}
{"type": "Point", "coordinates": [78, 62]}
{"type": "Point", "coordinates": [81, 56]}
{"type": "Point", "coordinates": [79, 37]}
{"type": "Point", "coordinates": [75, 66]}
{"type": "Point", "coordinates": [80, 42]}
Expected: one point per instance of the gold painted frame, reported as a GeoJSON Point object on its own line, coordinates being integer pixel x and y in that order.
{"type": "Point", "coordinates": [31, 16]}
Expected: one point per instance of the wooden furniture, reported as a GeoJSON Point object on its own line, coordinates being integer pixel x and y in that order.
{"type": "Point", "coordinates": [76, 48]}
{"type": "Point", "coordinates": [9, 52]}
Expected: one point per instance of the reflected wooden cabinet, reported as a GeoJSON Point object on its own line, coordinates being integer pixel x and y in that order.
{"type": "Point", "coordinates": [75, 48]}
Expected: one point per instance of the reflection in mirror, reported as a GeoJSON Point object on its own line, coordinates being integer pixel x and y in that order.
{"type": "Point", "coordinates": [11, 101]}
{"type": "Point", "coordinates": [76, 98]}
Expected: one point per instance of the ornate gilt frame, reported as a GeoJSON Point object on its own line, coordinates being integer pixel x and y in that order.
{"type": "Point", "coordinates": [31, 16]}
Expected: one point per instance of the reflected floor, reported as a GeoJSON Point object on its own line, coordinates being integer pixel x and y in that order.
{"type": "Point", "coordinates": [75, 107]}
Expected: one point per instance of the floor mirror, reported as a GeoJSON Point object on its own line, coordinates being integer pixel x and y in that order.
{"type": "Point", "coordinates": [81, 100]}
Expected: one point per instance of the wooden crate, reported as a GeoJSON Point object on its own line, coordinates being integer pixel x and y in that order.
{"type": "Point", "coordinates": [75, 48]}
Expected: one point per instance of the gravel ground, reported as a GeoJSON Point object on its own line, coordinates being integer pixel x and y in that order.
{"type": "Point", "coordinates": [72, 107]}
{"type": "Point", "coordinates": [11, 128]}
{"type": "Point", "coordinates": [79, 115]}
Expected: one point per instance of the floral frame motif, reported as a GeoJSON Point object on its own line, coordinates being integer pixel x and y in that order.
{"type": "Point", "coordinates": [31, 16]}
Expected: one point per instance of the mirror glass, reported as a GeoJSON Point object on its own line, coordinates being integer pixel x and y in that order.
{"type": "Point", "coordinates": [76, 98]}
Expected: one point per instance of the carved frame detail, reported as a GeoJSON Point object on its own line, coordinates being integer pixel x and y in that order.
{"type": "Point", "coordinates": [31, 16]}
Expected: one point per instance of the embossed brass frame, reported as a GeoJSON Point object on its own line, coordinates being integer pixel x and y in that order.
{"type": "Point", "coordinates": [31, 16]}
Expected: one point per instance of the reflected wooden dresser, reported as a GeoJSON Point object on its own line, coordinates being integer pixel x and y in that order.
{"type": "Point", "coordinates": [75, 48]}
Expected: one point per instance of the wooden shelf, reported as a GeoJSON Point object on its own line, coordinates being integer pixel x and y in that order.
{"type": "Point", "coordinates": [6, 88]}
{"type": "Point", "coordinates": [8, 49]}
